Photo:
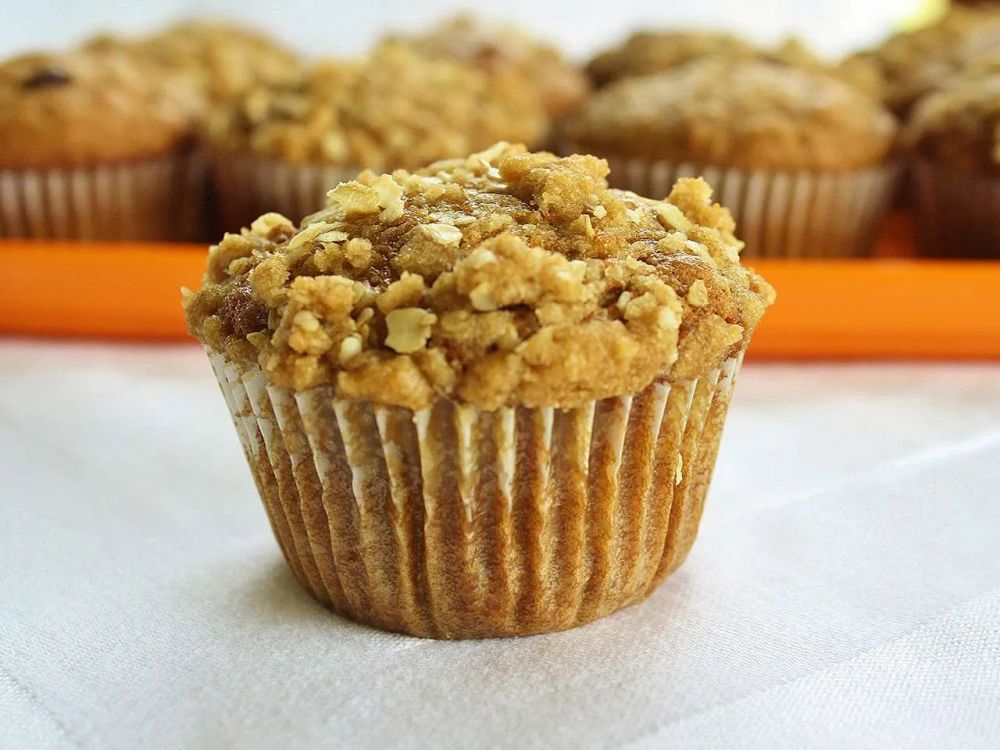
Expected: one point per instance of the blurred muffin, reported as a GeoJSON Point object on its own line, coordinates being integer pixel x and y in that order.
{"type": "Point", "coordinates": [282, 148]}
{"type": "Point", "coordinates": [648, 52]}
{"type": "Point", "coordinates": [800, 157]}
{"type": "Point", "coordinates": [506, 50]}
{"type": "Point", "coordinates": [222, 60]}
{"type": "Point", "coordinates": [95, 145]}
{"type": "Point", "coordinates": [484, 399]}
{"type": "Point", "coordinates": [955, 136]}
{"type": "Point", "coordinates": [911, 64]}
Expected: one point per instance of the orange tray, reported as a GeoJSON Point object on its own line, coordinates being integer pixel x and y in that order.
{"type": "Point", "coordinates": [886, 307]}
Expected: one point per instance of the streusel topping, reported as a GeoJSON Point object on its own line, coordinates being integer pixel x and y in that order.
{"type": "Point", "coordinates": [397, 108]}
{"type": "Point", "coordinates": [746, 113]}
{"type": "Point", "coordinates": [506, 278]}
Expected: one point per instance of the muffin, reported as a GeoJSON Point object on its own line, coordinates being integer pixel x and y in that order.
{"type": "Point", "coordinates": [910, 64]}
{"type": "Point", "coordinates": [507, 51]}
{"type": "Point", "coordinates": [801, 158]}
{"type": "Point", "coordinates": [648, 52]}
{"type": "Point", "coordinates": [485, 398]}
{"type": "Point", "coordinates": [282, 148]}
{"type": "Point", "coordinates": [95, 146]}
{"type": "Point", "coordinates": [221, 60]}
{"type": "Point", "coordinates": [955, 137]}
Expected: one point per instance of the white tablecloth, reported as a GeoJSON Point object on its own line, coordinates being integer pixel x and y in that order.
{"type": "Point", "coordinates": [844, 591]}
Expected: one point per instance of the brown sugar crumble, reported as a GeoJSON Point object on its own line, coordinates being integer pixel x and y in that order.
{"type": "Point", "coordinates": [505, 278]}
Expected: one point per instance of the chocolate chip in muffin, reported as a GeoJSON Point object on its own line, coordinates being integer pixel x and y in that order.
{"type": "Point", "coordinates": [47, 78]}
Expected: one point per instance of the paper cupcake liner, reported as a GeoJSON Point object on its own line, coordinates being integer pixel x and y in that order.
{"type": "Point", "coordinates": [781, 214]}
{"type": "Point", "coordinates": [248, 186]}
{"type": "Point", "coordinates": [452, 522]}
{"type": "Point", "coordinates": [958, 213]}
{"type": "Point", "coordinates": [152, 200]}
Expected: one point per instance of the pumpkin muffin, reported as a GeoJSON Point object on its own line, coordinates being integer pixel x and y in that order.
{"type": "Point", "coordinates": [484, 398]}
{"type": "Point", "coordinates": [505, 50]}
{"type": "Point", "coordinates": [799, 156]}
{"type": "Point", "coordinates": [910, 64]}
{"type": "Point", "coordinates": [281, 148]}
{"type": "Point", "coordinates": [95, 145]}
{"type": "Point", "coordinates": [955, 137]}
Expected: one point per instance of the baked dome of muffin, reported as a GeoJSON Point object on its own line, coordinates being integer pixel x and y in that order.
{"type": "Point", "coordinates": [648, 52]}
{"type": "Point", "coordinates": [506, 278]}
{"type": "Point", "coordinates": [64, 110]}
{"type": "Point", "coordinates": [959, 126]}
{"type": "Point", "coordinates": [395, 108]}
{"type": "Point", "coordinates": [506, 50]}
{"type": "Point", "coordinates": [748, 114]}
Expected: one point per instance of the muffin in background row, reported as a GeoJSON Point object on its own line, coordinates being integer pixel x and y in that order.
{"type": "Point", "coordinates": [96, 146]}
{"type": "Point", "coordinates": [484, 399]}
{"type": "Point", "coordinates": [280, 149]}
{"type": "Point", "coordinates": [803, 160]}
{"type": "Point", "coordinates": [956, 135]}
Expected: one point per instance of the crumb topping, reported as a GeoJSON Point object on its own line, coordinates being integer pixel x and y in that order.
{"type": "Point", "coordinates": [397, 108]}
{"type": "Point", "coordinates": [960, 125]}
{"type": "Point", "coordinates": [62, 110]}
{"type": "Point", "coordinates": [504, 50]}
{"type": "Point", "coordinates": [745, 114]}
{"type": "Point", "coordinates": [506, 278]}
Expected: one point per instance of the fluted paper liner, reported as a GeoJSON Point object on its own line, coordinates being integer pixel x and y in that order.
{"type": "Point", "coordinates": [452, 522]}
{"type": "Point", "coordinates": [248, 186]}
{"type": "Point", "coordinates": [153, 199]}
{"type": "Point", "coordinates": [780, 214]}
{"type": "Point", "coordinates": [958, 212]}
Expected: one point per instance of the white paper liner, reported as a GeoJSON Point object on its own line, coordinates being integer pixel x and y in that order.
{"type": "Point", "coordinates": [147, 200]}
{"type": "Point", "coordinates": [958, 213]}
{"type": "Point", "coordinates": [453, 522]}
{"type": "Point", "coordinates": [780, 214]}
{"type": "Point", "coordinates": [248, 186]}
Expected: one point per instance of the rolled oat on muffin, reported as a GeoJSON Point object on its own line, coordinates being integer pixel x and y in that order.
{"type": "Point", "coordinates": [954, 135]}
{"type": "Point", "coordinates": [96, 145]}
{"type": "Point", "coordinates": [281, 148]}
{"type": "Point", "coordinates": [802, 159]}
{"type": "Point", "coordinates": [484, 398]}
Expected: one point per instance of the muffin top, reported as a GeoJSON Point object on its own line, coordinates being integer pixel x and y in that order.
{"type": "Point", "coordinates": [396, 108]}
{"type": "Point", "coordinates": [960, 125]}
{"type": "Point", "coordinates": [911, 64]}
{"type": "Point", "coordinates": [222, 60]}
{"type": "Point", "coordinates": [67, 110]}
{"type": "Point", "coordinates": [506, 50]}
{"type": "Point", "coordinates": [747, 114]}
{"type": "Point", "coordinates": [647, 52]}
{"type": "Point", "coordinates": [506, 278]}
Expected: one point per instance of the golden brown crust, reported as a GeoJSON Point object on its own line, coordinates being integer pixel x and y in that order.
{"type": "Point", "coordinates": [960, 125]}
{"type": "Point", "coordinates": [506, 278]}
{"type": "Point", "coordinates": [64, 110]}
{"type": "Point", "coordinates": [504, 50]}
{"type": "Point", "coordinates": [397, 108]}
{"type": "Point", "coordinates": [746, 114]}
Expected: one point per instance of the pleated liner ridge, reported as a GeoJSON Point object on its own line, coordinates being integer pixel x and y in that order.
{"type": "Point", "coordinates": [147, 199]}
{"type": "Point", "coordinates": [453, 522]}
{"type": "Point", "coordinates": [781, 214]}
{"type": "Point", "coordinates": [958, 212]}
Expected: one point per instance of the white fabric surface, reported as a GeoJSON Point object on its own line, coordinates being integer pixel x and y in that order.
{"type": "Point", "coordinates": [844, 591]}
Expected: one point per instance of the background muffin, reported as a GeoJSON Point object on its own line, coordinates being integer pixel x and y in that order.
{"type": "Point", "coordinates": [502, 333]}
{"type": "Point", "coordinates": [505, 50]}
{"type": "Point", "coordinates": [95, 145]}
{"type": "Point", "coordinates": [955, 136]}
{"type": "Point", "coordinates": [799, 156]}
{"type": "Point", "coordinates": [282, 148]}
